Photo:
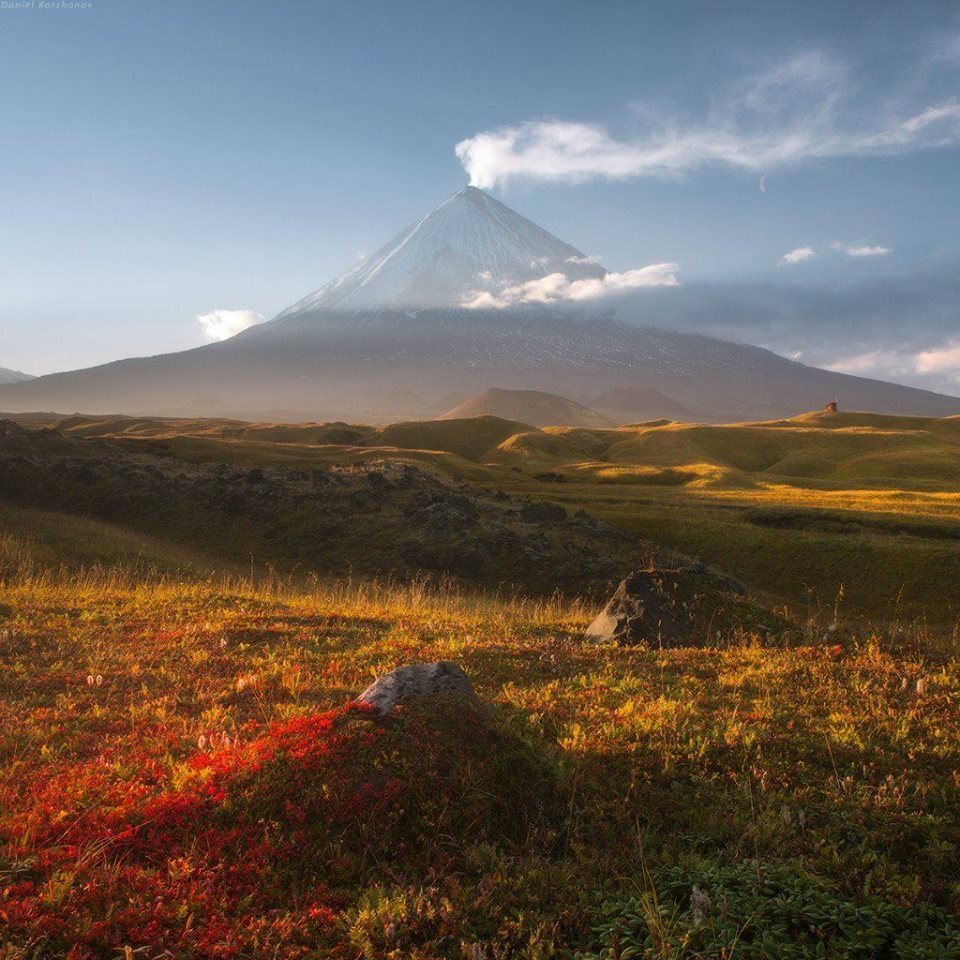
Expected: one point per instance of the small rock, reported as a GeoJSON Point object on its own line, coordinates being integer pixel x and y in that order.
{"type": "Point", "coordinates": [418, 680]}
{"type": "Point", "coordinates": [550, 477]}
{"type": "Point", "coordinates": [543, 513]}
{"type": "Point", "coordinates": [700, 905]}
{"type": "Point", "coordinates": [444, 516]}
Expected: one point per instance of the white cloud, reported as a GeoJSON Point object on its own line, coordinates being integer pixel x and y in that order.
{"type": "Point", "coordinates": [873, 361]}
{"type": "Point", "coordinates": [866, 251]}
{"type": "Point", "coordinates": [223, 324]}
{"type": "Point", "coordinates": [556, 287]}
{"type": "Point", "coordinates": [798, 255]}
{"type": "Point", "coordinates": [940, 359]}
{"type": "Point", "coordinates": [897, 364]}
{"type": "Point", "coordinates": [803, 109]}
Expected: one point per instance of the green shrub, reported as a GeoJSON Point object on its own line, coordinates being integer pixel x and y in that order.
{"type": "Point", "coordinates": [756, 911]}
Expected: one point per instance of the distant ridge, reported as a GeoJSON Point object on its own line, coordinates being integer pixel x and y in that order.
{"type": "Point", "coordinates": [640, 403]}
{"type": "Point", "coordinates": [529, 406]}
{"type": "Point", "coordinates": [13, 376]}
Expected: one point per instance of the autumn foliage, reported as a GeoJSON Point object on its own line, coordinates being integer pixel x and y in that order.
{"type": "Point", "coordinates": [184, 774]}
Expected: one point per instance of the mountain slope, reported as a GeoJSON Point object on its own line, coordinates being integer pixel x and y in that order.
{"type": "Point", "coordinates": [639, 403]}
{"type": "Point", "coordinates": [13, 376]}
{"type": "Point", "coordinates": [528, 406]}
{"type": "Point", "coordinates": [390, 337]}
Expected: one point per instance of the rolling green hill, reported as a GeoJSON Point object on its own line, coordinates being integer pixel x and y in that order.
{"type": "Point", "coordinates": [528, 406]}
{"type": "Point", "coordinates": [795, 507]}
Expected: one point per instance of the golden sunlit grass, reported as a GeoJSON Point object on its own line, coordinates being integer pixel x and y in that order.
{"type": "Point", "coordinates": [899, 503]}
{"type": "Point", "coordinates": [178, 776]}
{"type": "Point", "coordinates": [35, 542]}
{"type": "Point", "coordinates": [834, 757]}
{"type": "Point", "coordinates": [876, 498]}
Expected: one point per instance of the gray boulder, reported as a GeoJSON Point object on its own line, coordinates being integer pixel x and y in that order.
{"type": "Point", "coordinates": [419, 680]}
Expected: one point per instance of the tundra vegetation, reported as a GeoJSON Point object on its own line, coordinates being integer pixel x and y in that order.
{"type": "Point", "coordinates": [184, 771]}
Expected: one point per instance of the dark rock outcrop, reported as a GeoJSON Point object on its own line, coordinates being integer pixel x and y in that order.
{"type": "Point", "coordinates": [377, 519]}
{"type": "Point", "coordinates": [670, 608]}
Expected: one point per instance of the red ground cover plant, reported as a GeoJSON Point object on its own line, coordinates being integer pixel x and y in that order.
{"type": "Point", "coordinates": [253, 849]}
{"type": "Point", "coordinates": [171, 783]}
{"type": "Point", "coordinates": [186, 867]}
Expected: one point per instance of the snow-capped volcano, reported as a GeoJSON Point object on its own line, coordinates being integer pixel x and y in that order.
{"type": "Point", "coordinates": [393, 338]}
{"type": "Point", "coordinates": [471, 243]}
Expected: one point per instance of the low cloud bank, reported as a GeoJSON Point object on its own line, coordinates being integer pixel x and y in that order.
{"type": "Point", "coordinates": [557, 287]}
{"type": "Point", "coordinates": [902, 326]}
{"type": "Point", "coordinates": [935, 368]}
{"type": "Point", "coordinates": [223, 324]}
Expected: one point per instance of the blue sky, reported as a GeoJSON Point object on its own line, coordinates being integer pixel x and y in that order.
{"type": "Point", "coordinates": [165, 160]}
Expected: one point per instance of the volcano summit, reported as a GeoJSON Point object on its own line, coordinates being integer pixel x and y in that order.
{"type": "Point", "coordinates": [471, 296]}
{"type": "Point", "coordinates": [471, 243]}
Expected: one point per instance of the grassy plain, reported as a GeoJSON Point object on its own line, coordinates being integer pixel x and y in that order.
{"type": "Point", "coordinates": [176, 774]}
{"type": "Point", "coordinates": [182, 774]}
{"type": "Point", "coordinates": [803, 510]}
